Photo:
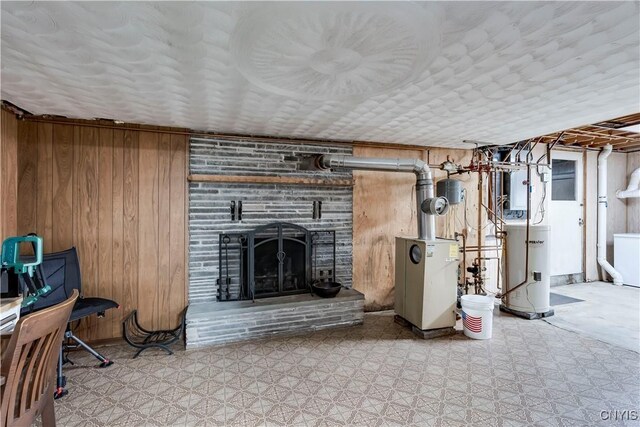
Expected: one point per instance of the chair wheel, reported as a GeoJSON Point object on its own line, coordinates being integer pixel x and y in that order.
{"type": "Point", "coordinates": [59, 393]}
{"type": "Point", "coordinates": [106, 363]}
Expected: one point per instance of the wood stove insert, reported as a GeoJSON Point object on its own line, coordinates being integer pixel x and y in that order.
{"type": "Point", "coordinates": [274, 260]}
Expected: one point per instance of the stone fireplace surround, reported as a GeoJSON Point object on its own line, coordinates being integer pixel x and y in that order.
{"type": "Point", "coordinates": [210, 321]}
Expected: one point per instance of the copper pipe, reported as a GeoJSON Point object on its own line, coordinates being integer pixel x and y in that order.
{"type": "Point", "coordinates": [502, 235]}
{"type": "Point", "coordinates": [479, 229]}
{"type": "Point", "coordinates": [475, 248]}
{"type": "Point", "coordinates": [494, 214]}
{"type": "Point", "coordinates": [464, 257]}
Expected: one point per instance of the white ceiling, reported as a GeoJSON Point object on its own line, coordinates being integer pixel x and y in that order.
{"type": "Point", "coordinates": [414, 73]}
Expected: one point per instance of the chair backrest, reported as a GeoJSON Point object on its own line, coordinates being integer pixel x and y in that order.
{"type": "Point", "coordinates": [29, 361]}
{"type": "Point", "coordinates": [61, 271]}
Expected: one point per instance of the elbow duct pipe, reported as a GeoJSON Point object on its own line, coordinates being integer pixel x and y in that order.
{"type": "Point", "coordinates": [424, 181]}
{"type": "Point", "coordinates": [633, 189]}
{"type": "Point", "coordinates": [602, 216]}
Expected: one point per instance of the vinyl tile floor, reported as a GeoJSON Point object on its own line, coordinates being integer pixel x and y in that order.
{"type": "Point", "coordinates": [529, 374]}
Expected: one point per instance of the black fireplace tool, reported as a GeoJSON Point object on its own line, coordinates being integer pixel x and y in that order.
{"type": "Point", "coordinates": [321, 287]}
{"type": "Point", "coordinates": [227, 280]}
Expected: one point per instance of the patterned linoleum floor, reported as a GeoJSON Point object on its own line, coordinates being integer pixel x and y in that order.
{"type": "Point", "coordinates": [530, 373]}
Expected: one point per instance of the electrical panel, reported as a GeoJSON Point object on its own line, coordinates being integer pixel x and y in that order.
{"type": "Point", "coordinates": [516, 190]}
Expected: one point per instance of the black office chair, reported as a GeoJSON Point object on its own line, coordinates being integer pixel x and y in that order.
{"type": "Point", "coordinates": [62, 273]}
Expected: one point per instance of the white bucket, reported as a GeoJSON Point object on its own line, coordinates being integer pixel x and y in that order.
{"type": "Point", "coordinates": [477, 316]}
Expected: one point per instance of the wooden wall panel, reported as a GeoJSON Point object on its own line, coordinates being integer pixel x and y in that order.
{"type": "Point", "coordinates": [177, 224]}
{"type": "Point", "coordinates": [148, 227]}
{"type": "Point", "coordinates": [63, 187]}
{"type": "Point", "coordinates": [384, 206]}
{"type": "Point", "coordinates": [131, 218]}
{"type": "Point", "coordinates": [8, 175]}
{"type": "Point", "coordinates": [117, 225]}
{"type": "Point", "coordinates": [119, 197]}
{"type": "Point", "coordinates": [164, 229]}
{"type": "Point", "coordinates": [105, 218]}
{"type": "Point", "coordinates": [44, 164]}
{"type": "Point", "coordinates": [27, 176]}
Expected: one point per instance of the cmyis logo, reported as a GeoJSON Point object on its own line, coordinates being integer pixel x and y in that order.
{"type": "Point", "coordinates": [616, 415]}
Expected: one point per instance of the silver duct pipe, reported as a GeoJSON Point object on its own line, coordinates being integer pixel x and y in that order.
{"type": "Point", "coordinates": [424, 181]}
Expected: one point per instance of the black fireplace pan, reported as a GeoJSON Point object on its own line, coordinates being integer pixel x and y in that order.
{"type": "Point", "coordinates": [326, 289]}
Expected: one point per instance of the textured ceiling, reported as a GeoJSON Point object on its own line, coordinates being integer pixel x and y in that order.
{"type": "Point", "coordinates": [415, 73]}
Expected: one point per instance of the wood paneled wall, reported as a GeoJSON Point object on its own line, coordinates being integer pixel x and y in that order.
{"type": "Point", "coordinates": [633, 204]}
{"type": "Point", "coordinates": [8, 175]}
{"type": "Point", "coordinates": [384, 206]}
{"type": "Point", "coordinates": [119, 196]}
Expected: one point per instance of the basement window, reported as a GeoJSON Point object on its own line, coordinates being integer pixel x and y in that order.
{"type": "Point", "coordinates": [563, 179]}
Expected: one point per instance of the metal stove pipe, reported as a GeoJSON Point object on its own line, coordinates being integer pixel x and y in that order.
{"type": "Point", "coordinates": [424, 181]}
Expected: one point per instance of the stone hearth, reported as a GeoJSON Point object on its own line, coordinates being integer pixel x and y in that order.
{"type": "Point", "coordinates": [215, 323]}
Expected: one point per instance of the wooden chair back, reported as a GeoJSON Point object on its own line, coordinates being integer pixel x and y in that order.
{"type": "Point", "coordinates": [29, 363]}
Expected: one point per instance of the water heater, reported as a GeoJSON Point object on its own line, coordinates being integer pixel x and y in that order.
{"type": "Point", "coordinates": [531, 300]}
{"type": "Point", "coordinates": [426, 282]}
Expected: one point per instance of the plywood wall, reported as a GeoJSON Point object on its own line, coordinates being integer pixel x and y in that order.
{"type": "Point", "coordinates": [8, 175]}
{"type": "Point", "coordinates": [616, 208]}
{"type": "Point", "coordinates": [633, 204]}
{"type": "Point", "coordinates": [384, 206]}
{"type": "Point", "coordinates": [119, 197]}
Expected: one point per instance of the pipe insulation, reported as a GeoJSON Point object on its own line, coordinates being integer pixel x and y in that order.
{"type": "Point", "coordinates": [602, 216]}
{"type": "Point", "coordinates": [633, 189]}
{"type": "Point", "coordinates": [424, 181]}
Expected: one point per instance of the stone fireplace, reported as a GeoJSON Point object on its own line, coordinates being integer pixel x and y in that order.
{"type": "Point", "coordinates": [255, 244]}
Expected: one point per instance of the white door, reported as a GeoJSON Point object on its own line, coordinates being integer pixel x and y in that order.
{"type": "Point", "coordinates": [565, 212]}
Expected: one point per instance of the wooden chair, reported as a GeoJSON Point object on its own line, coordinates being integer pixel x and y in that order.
{"type": "Point", "coordinates": [29, 365]}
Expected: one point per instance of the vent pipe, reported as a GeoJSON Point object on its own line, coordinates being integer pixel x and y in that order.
{"type": "Point", "coordinates": [633, 189]}
{"type": "Point", "coordinates": [602, 216]}
{"type": "Point", "coordinates": [426, 202]}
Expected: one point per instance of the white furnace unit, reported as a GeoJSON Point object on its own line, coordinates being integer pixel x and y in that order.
{"type": "Point", "coordinates": [527, 287]}
{"type": "Point", "coordinates": [426, 287]}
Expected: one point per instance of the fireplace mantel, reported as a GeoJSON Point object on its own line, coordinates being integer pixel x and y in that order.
{"type": "Point", "coordinates": [268, 179]}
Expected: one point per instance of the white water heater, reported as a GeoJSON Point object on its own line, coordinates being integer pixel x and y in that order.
{"type": "Point", "coordinates": [533, 296]}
